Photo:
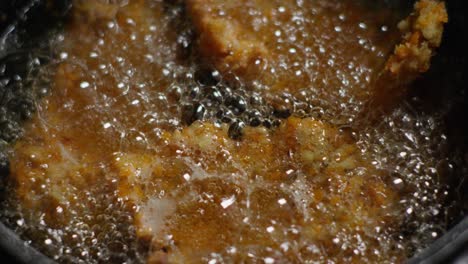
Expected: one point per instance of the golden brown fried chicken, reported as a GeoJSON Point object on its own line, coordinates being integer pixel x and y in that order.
{"type": "Point", "coordinates": [290, 195]}
{"type": "Point", "coordinates": [92, 11]}
{"type": "Point", "coordinates": [333, 53]}
{"type": "Point", "coordinates": [421, 35]}
{"type": "Point", "coordinates": [303, 191]}
{"type": "Point", "coordinates": [111, 61]}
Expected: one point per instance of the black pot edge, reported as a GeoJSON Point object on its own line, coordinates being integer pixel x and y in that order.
{"type": "Point", "coordinates": [441, 251]}
{"type": "Point", "coordinates": [19, 250]}
{"type": "Point", "coordinates": [446, 247]}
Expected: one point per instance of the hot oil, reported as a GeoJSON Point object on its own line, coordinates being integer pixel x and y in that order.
{"type": "Point", "coordinates": [324, 55]}
{"type": "Point", "coordinates": [107, 93]}
{"type": "Point", "coordinates": [412, 148]}
{"type": "Point", "coordinates": [126, 82]}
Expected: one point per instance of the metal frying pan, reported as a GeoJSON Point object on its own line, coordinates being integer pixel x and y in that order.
{"type": "Point", "coordinates": [24, 22]}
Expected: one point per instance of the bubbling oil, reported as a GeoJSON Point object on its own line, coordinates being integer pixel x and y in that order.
{"type": "Point", "coordinates": [120, 84]}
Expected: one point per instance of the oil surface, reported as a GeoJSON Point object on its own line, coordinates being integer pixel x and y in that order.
{"type": "Point", "coordinates": [109, 169]}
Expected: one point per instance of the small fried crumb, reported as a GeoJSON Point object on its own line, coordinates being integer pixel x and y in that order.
{"type": "Point", "coordinates": [422, 33]}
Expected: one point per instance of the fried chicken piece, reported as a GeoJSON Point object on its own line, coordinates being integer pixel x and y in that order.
{"type": "Point", "coordinates": [227, 41]}
{"type": "Point", "coordinates": [113, 68]}
{"type": "Point", "coordinates": [286, 194]}
{"type": "Point", "coordinates": [421, 35]}
{"type": "Point", "coordinates": [50, 175]}
{"type": "Point", "coordinates": [108, 51]}
{"type": "Point", "coordinates": [333, 53]}
{"type": "Point", "coordinates": [96, 10]}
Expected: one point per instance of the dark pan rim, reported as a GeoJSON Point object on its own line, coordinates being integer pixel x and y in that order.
{"type": "Point", "coordinates": [438, 252]}
{"type": "Point", "coordinates": [20, 250]}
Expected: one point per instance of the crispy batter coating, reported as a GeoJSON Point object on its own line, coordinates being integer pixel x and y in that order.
{"type": "Point", "coordinates": [204, 192]}
{"type": "Point", "coordinates": [92, 11]}
{"type": "Point", "coordinates": [303, 191]}
{"type": "Point", "coordinates": [226, 40]}
{"type": "Point", "coordinates": [69, 139]}
{"type": "Point", "coordinates": [290, 46]}
{"type": "Point", "coordinates": [342, 57]}
{"type": "Point", "coordinates": [422, 33]}
{"type": "Point", "coordinates": [51, 176]}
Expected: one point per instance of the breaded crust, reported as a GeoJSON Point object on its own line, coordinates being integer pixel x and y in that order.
{"type": "Point", "coordinates": [342, 64]}
{"type": "Point", "coordinates": [421, 35]}
{"type": "Point", "coordinates": [205, 192]}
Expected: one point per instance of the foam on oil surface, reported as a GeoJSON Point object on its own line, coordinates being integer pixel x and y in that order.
{"type": "Point", "coordinates": [120, 86]}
